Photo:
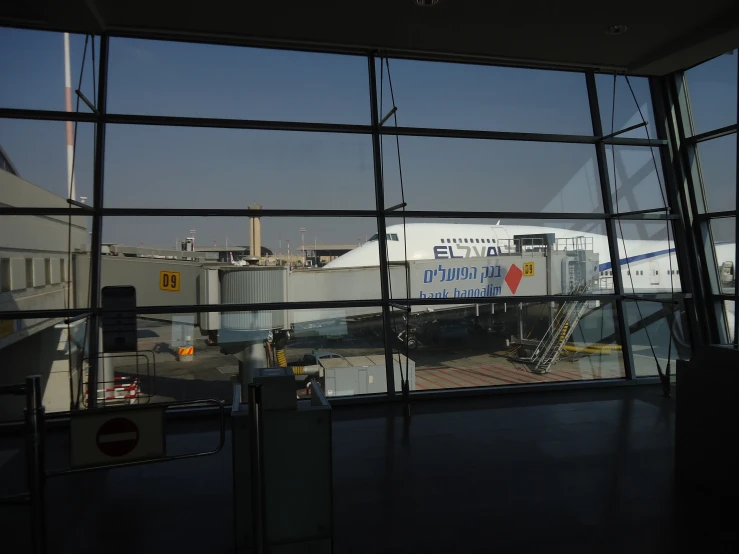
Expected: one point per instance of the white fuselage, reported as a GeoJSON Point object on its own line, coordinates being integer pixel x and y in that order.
{"type": "Point", "coordinates": [646, 265]}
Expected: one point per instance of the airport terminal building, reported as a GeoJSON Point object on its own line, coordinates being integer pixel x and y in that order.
{"type": "Point", "coordinates": [296, 275]}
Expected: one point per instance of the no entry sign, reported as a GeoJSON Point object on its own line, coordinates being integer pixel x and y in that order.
{"type": "Point", "coordinates": [118, 437]}
{"type": "Point", "coordinates": [100, 438]}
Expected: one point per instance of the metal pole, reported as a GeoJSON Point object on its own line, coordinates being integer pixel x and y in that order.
{"type": "Point", "coordinates": [256, 451]}
{"type": "Point", "coordinates": [71, 192]}
{"type": "Point", "coordinates": [609, 208]}
{"type": "Point", "coordinates": [549, 254]}
{"type": "Point", "coordinates": [736, 223]}
{"type": "Point", "coordinates": [97, 225]}
{"type": "Point", "coordinates": [520, 323]}
{"type": "Point", "coordinates": [35, 462]}
{"type": "Point", "coordinates": [381, 230]}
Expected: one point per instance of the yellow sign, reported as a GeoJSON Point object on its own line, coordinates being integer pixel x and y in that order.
{"type": "Point", "coordinates": [169, 281]}
{"type": "Point", "coordinates": [528, 269]}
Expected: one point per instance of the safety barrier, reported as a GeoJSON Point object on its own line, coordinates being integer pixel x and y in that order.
{"type": "Point", "coordinates": [186, 353]}
{"type": "Point", "coordinates": [125, 389]}
{"type": "Point", "coordinates": [35, 447]}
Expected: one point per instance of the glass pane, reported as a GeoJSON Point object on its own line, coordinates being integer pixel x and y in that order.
{"type": "Point", "coordinates": [204, 80]}
{"type": "Point", "coordinates": [718, 166]}
{"type": "Point", "coordinates": [336, 346]}
{"type": "Point", "coordinates": [474, 175]}
{"type": "Point", "coordinates": [659, 330]}
{"type": "Point", "coordinates": [37, 174]}
{"type": "Point", "coordinates": [730, 320]}
{"type": "Point", "coordinates": [647, 259]}
{"type": "Point", "coordinates": [724, 237]}
{"type": "Point", "coordinates": [33, 70]}
{"type": "Point", "coordinates": [473, 258]}
{"type": "Point", "coordinates": [45, 347]}
{"type": "Point", "coordinates": [626, 111]}
{"type": "Point", "coordinates": [637, 185]}
{"type": "Point", "coordinates": [170, 167]}
{"type": "Point", "coordinates": [463, 96]}
{"type": "Point", "coordinates": [460, 348]}
{"type": "Point", "coordinates": [139, 251]}
{"type": "Point", "coordinates": [712, 87]}
{"type": "Point", "coordinates": [39, 263]}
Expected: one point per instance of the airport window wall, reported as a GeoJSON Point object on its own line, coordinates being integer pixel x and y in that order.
{"type": "Point", "coordinates": [709, 115]}
{"type": "Point", "coordinates": [480, 226]}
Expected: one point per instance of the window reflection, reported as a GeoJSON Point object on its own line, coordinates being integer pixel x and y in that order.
{"type": "Point", "coordinates": [344, 352]}
{"type": "Point", "coordinates": [36, 158]}
{"type": "Point", "coordinates": [627, 109]}
{"type": "Point", "coordinates": [718, 169]}
{"type": "Point", "coordinates": [486, 97]}
{"type": "Point", "coordinates": [713, 92]}
{"type": "Point", "coordinates": [635, 184]}
{"type": "Point", "coordinates": [33, 69]}
{"type": "Point", "coordinates": [199, 80]}
{"type": "Point", "coordinates": [658, 330]}
{"type": "Point", "coordinates": [292, 252]}
{"type": "Point", "coordinates": [513, 344]}
{"type": "Point", "coordinates": [474, 175]}
{"type": "Point", "coordinates": [226, 168]}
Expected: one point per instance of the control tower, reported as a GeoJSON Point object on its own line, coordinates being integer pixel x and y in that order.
{"type": "Point", "coordinates": [255, 233]}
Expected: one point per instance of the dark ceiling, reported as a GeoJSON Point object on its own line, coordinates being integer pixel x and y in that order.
{"type": "Point", "coordinates": [662, 36]}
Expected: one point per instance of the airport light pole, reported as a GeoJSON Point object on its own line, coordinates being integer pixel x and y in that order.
{"type": "Point", "coordinates": [71, 189]}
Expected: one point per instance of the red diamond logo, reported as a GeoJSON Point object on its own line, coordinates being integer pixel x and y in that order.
{"type": "Point", "coordinates": [513, 277]}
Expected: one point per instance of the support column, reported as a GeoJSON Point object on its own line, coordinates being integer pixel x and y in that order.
{"type": "Point", "coordinates": [608, 207]}
{"type": "Point", "coordinates": [255, 233]}
{"type": "Point", "coordinates": [97, 225]}
{"type": "Point", "coordinates": [381, 230]}
{"type": "Point", "coordinates": [679, 189]}
{"type": "Point", "coordinates": [550, 253]}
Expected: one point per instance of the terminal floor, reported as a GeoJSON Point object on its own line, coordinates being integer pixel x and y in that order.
{"type": "Point", "coordinates": [588, 471]}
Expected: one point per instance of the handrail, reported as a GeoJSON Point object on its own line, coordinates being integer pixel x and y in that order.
{"type": "Point", "coordinates": [317, 397]}
{"type": "Point", "coordinates": [13, 390]}
{"type": "Point", "coordinates": [128, 409]}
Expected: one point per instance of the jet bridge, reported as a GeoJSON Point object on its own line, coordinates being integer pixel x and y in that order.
{"type": "Point", "coordinates": [530, 266]}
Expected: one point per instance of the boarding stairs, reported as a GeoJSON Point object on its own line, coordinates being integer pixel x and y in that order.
{"type": "Point", "coordinates": [548, 351]}
{"type": "Point", "coordinates": [564, 323]}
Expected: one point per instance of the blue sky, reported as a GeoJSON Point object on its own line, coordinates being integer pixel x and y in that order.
{"type": "Point", "coordinates": [181, 167]}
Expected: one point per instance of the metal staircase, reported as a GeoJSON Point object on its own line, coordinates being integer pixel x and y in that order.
{"type": "Point", "coordinates": [576, 283]}
{"type": "Point", "coordinates": [548, 351]}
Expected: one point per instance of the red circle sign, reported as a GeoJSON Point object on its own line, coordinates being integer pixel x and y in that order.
{"type": "Point", "coordinates": [117, 437]}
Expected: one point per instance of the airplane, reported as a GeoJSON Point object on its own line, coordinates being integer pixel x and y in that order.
{"type": "Point", "coordinates": [240, 263]}
{"type": "Point", "coordinates": [647, 266]}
